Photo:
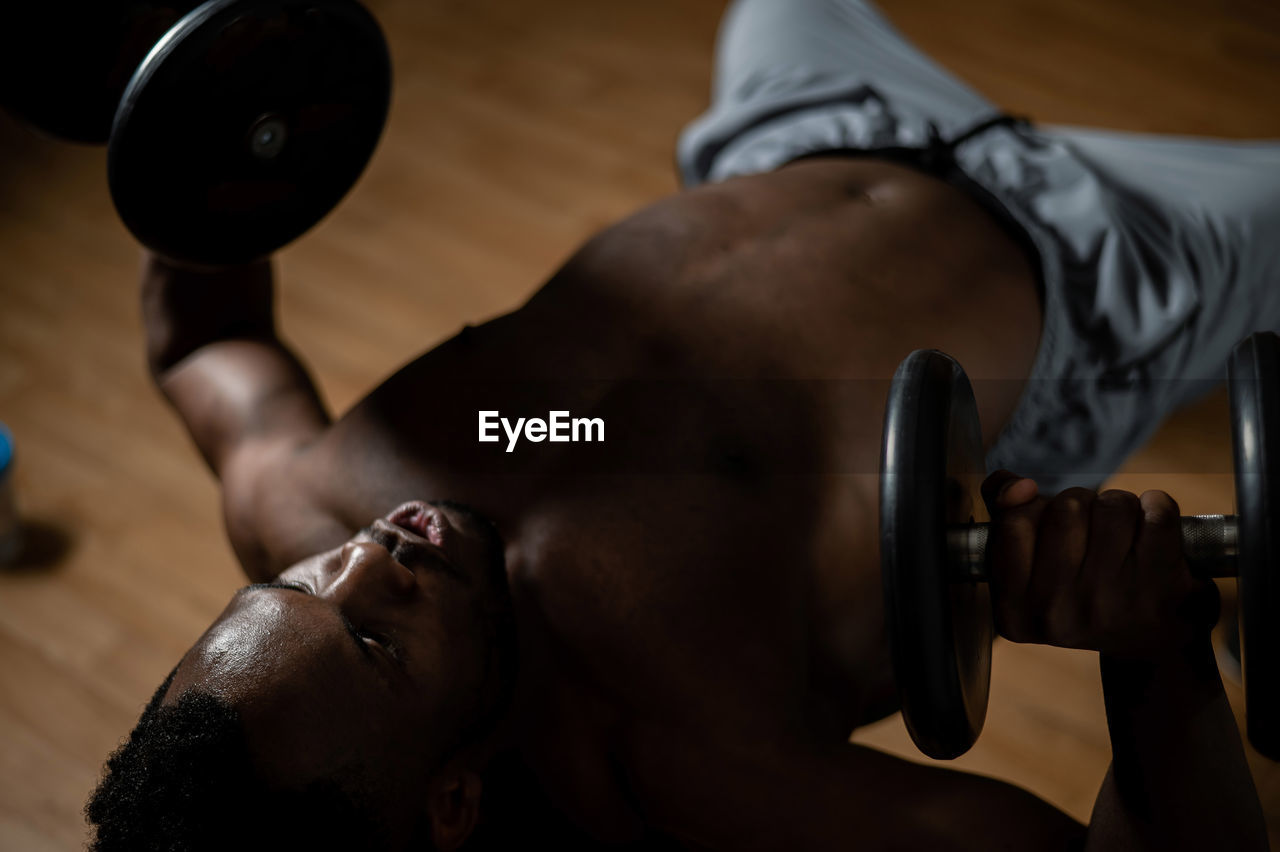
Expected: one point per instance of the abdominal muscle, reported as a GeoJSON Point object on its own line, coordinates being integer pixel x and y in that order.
{"type": "Point", "coordinates": [907, 262]}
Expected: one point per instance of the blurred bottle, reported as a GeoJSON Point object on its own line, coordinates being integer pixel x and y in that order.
{"type": "Point", "coordinates": [10, 528]}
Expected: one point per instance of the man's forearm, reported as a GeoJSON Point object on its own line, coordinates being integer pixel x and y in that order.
{"type": "Point", "coordinates": [1178, 778]}
{"type": "Point", "coordinates": [213, 352]}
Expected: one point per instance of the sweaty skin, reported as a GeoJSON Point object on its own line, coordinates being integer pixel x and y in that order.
{"type": "Point", "coordinates": [698, 597]}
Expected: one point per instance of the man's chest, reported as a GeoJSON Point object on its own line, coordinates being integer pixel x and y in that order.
{"type": "Point", "coordinates": [687, 550]}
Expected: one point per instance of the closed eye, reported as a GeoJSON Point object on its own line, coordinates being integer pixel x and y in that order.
{"type": "Point", "coordinates": [366, 638]}
{"type": "Point", "coordinates": [365, 641]}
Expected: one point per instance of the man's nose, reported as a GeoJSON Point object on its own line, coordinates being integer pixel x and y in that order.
{"type": "Point", "coordinates": [367, 573]}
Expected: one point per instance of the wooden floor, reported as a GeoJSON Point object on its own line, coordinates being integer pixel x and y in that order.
{"type": "Point", "coordinates": [518, 129]}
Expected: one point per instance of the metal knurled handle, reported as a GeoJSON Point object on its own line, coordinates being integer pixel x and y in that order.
{"type": "Point", "coordinates": [1209, 541]}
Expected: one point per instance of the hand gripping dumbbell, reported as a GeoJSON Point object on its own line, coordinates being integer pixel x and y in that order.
{"type": "Point", "coordinates": [933, 545]}
{"type": "Point", "coordinates": [232, 126]}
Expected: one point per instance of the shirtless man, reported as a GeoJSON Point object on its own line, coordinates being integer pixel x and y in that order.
{"type": "Point", "coordinates": [696, 598]}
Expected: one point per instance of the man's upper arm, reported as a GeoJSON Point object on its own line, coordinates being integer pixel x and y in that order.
{"type": "Point", "coordinates": [906, 805]}
{"type": "Point", "coordinates": [761, 793]}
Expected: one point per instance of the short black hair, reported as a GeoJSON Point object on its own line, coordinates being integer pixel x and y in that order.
{"type": "Point", "coordinates": [184, 781]}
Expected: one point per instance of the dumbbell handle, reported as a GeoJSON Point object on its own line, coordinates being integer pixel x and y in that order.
{"type": "Point", "coordinates": [1209, 542]}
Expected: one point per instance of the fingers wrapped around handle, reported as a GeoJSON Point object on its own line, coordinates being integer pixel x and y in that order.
{"type": "Point", "coordinates": [1105, 572]}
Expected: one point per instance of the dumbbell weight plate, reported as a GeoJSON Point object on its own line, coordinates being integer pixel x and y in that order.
{"type": "Point", "coordinates": [940, 629]}
{"type": "Point", "coordinates": [1254, 382]}
{"type": "Point", "coordinates": [65, 64]}
{"type": "Point", "coordinates": [246, 124]}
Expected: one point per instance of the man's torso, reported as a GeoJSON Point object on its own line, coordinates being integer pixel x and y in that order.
{"type": "Point", "coordinates": [711, 566]}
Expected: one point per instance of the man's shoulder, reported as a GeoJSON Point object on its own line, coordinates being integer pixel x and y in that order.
{"type": "Point", "coordinates": [276, 509]}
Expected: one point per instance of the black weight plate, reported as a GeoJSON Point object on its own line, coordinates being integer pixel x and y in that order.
{"type": "Point", "coordinates": [64, 65]}
{"type": "Point", "coordinates": [246, 125]}
{"type": "Point", "coordinates": [940, 625]}
{"type": "Point", "coordinates": [1254, 379]}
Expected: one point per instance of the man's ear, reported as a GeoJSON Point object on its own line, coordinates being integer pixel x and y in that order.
{"type": "Point", "coordinates": [454, 806]}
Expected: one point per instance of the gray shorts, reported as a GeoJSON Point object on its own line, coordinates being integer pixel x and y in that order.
{"type": "Point", "coordinates": [1156, 253]}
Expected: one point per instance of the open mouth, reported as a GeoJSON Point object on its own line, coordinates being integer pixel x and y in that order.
{"type": "Point", "coordinates": [417, 535]}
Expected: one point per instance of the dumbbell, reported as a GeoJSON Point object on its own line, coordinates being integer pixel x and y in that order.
{"type": "Point", "coordinates": [933, 545]}
{"type": "Point", "coordinates": [232, 126]}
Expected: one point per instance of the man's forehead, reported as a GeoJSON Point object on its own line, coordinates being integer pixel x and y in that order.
{"type": "Point", "coordinates": [245, 646]}
{"type": "Point", "coordinates": [268, 656]}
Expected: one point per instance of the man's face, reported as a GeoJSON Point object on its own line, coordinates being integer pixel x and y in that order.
{"type": "Point", "coordinates": [371, 656]}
